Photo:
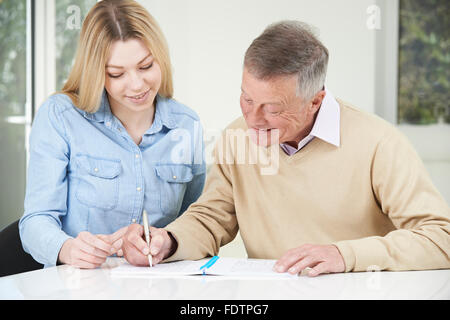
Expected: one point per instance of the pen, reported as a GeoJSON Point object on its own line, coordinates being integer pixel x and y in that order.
{"type": "Point", "coordinates": [147, 235]}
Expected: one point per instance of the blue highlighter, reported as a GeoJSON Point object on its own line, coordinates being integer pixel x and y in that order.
{"type": "Point", "coordinates": [208, 264]}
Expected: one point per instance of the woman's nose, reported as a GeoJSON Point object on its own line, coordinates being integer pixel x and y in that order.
{"type": "Point", "coordinates": [136, 82]}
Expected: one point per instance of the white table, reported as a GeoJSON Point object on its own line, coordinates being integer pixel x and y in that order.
{"type": "Point", "coordinates": [65, 282]}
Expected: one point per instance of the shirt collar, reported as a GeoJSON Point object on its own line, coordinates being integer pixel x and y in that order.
{"type": "Point", "coordinates": [163, 114]}
{"type": "Point", "coordinates": [103, 111]}
{"type": "Point", "coordinates": [327, 124]}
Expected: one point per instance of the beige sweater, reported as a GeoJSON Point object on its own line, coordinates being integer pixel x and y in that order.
{"type": "Point", "coordinates": [371, 197]}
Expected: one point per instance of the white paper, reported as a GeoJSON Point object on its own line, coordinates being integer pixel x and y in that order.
{"type": "Point", "coordinates": [228, 267]}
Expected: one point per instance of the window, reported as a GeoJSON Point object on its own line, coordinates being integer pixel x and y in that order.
{"type": "Point", "coordinates": [38, 43]}
{"type": "Point", "coordinates": [412, 85]}
{"type": "Point", "coordinates": [423, 84]}
{"type": "Point", "coordinates": [57, 30]}
{"type": "Point", "coordinates": [15, 105]}
{"type": "Point", "coordinates": [424, 62]}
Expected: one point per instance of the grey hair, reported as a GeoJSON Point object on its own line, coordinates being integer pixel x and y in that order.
{"type": "Point", "coordinates": [289, 48]}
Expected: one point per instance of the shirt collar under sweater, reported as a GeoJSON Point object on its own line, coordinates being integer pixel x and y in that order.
{"type": "Point", "coordinates": [326, 126]}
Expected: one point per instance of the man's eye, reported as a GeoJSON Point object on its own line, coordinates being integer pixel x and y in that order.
{"type": "Point", "coordinates": [115, 76]}
{"type": "Point", "coordinates": [273, 111]}
{"type": "Point", "coordinates": [147, 67]}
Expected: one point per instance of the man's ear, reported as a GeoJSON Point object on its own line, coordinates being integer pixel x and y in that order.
{"type": "Point", "coordinates": [316, 102]}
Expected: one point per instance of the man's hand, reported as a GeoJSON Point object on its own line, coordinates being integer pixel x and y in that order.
{"type": "Point", "coordinates": [88, 251]}
{"type": "Point", "coordinates": [135, 249]}
{"type": "Point", "coordinates": [321, 258]}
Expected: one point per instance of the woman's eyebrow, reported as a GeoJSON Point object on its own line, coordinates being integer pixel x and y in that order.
{"type": "Point", "coordinates": [119, 67]}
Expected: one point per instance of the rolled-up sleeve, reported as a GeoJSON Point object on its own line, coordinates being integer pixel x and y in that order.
{"type": "Point", "coordinates": [46, 188]}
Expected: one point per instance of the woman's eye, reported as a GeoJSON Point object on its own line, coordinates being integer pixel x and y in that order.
{"type": "Point", "coordinates": [115, 76]}
{"type": "Point", "coordinates": [147, 67]}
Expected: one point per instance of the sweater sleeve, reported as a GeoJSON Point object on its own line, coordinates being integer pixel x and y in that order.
{"type": "Point", "coordinates": [210, 222]}
{"type": "Point", "coordinates": [421, 216]}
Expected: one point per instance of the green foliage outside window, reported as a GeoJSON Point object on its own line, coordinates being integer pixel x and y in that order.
{"type": "Point", "coordinates": [424, 62]}
{"type": "Point", "coordinates": [13, 20]}
{"type": "Point", "coordinates": [13, 76]}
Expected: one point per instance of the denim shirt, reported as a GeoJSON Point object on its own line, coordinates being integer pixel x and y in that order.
{"type": "Point", "coordinates": [85, 172]}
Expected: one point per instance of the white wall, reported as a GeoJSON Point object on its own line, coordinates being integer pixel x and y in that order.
{"type": "Point", "coordinates": [208, 39]}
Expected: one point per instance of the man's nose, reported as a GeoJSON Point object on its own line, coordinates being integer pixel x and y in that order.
{"type": "Point", "coordinates": [256, 114]}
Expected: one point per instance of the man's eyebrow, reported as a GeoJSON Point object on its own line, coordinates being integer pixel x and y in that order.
{"type": "Point", "coordinates": [119, 67]}
{"type": "Point", "coordinates": [278, 103]}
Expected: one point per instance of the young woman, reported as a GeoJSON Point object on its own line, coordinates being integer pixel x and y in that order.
{"type": "Point", "coordinates": [112, 144]}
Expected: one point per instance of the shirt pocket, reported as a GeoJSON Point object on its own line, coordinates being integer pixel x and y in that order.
{"type": "Point", "coordinates": [173, 181]}
{"type": "Point", "coordinates": [98, 184]}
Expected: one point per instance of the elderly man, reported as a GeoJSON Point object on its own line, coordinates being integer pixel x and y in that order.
{"type": "Point", "coordinates": [349, 193]}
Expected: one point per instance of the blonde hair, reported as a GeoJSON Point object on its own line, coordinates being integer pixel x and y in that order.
{"type": "Point", "coordinates": [107, 22]}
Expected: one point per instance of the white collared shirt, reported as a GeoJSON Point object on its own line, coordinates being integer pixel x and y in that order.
{"type": "Point", "coordinates": [326, 126]}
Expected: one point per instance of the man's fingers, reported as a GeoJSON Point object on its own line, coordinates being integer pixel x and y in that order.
{"type": "Point", "coordinates": [289, 259]}
{"type": "Point", "coordinates": [318, 269]}
{"type": "Point", "coordinates": [135, 256]}
{"type": "Point", "coordinates": [313, 256]}
{"type": "Point", "coordinates": [156, 244]}
{"type": "Point", "coordinates": [136, 250]}
{"type": "Point", "coordinates": [137, 241]}
{"type": "Point", "coordinates": [156, 248]}
{"type": "Point", "coordinates": [302, 264]}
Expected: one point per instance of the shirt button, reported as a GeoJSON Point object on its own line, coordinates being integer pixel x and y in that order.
{"type": "Point", "coordinates": [138, 188]}
{"type": "Point", "coordinates": [120, 129]}
{"type": "Point", "coordinates": [174, 177]}
{"type": "Point", "coordinates": [134, 220]}
{"type": "Point", "coordinates": [108, 124]}
{"type": "Point", "coordinates": [96, 169]}
{"type": "Point", "coordinates": [137, 156]}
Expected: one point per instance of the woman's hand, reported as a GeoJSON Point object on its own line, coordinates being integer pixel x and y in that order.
{"type": "Point", "coordinates": [115, 239]}
{"type": "Point", "coordinates": [88, 251]}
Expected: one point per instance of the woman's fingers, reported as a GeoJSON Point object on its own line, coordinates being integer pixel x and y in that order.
{"type": "Point", "coordinates": [96, 242]}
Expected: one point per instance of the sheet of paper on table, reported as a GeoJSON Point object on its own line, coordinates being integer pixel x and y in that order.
{"type": "Point", "coordinates": [227, 267]}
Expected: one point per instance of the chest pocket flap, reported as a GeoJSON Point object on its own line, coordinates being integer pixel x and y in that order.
{"type": "Point", "coordinates": [174, 173]}
{"type": "Point", "coordinates": [102, 168]}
